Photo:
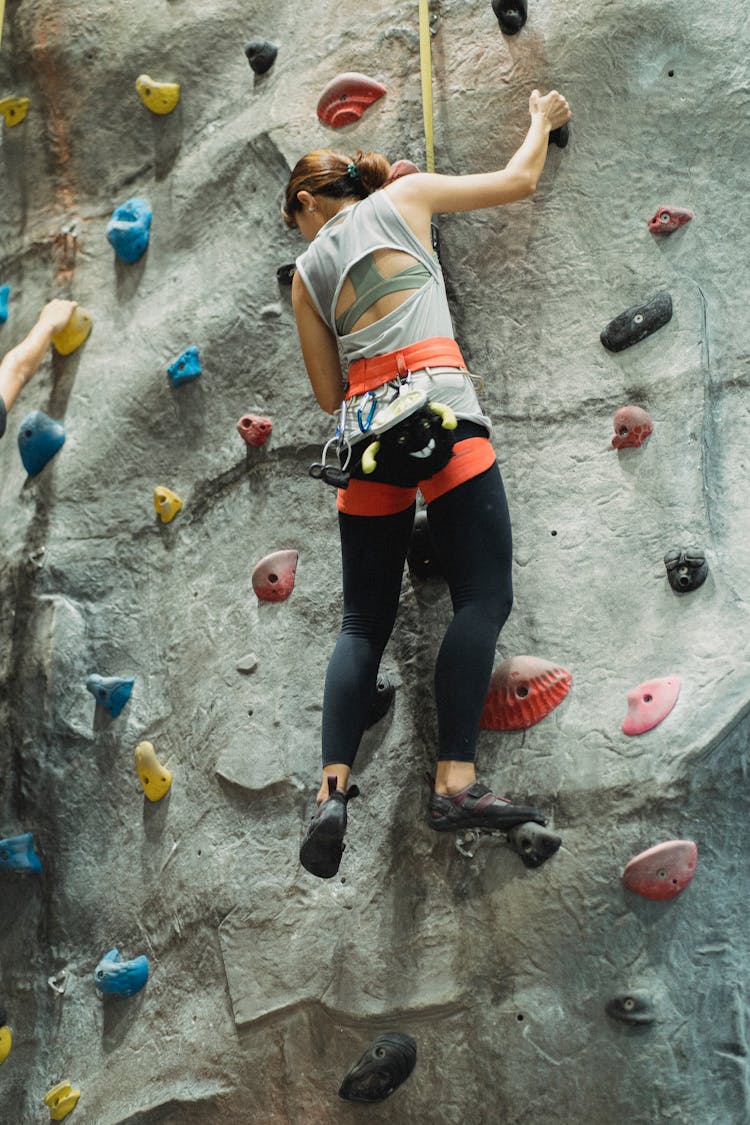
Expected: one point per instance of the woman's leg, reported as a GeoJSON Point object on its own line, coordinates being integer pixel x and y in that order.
{"type": "Point", "coordinates": [470, 528]}
{"type": "Point", "coordinates": [373, 551]}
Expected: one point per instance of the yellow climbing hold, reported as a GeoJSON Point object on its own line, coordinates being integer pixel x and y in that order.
{"type": "Point", "coordinates": [166, 503]}
{"type": "Point", "coordinates": [74, 333]}
{"type": "Point", "coordinates": [61, 1100]}
{"type": "Point", "coordinates": [14, 109]}
{"type": "Point", "coordinates": [155, 778]}
{"type": "Point", "coordinates": [6, 1042]}
{"type": "Point", "coordinates": [160, 97]}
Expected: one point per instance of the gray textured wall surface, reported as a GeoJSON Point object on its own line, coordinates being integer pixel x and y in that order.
{"type": "Point", "coordinates": [266, 984]}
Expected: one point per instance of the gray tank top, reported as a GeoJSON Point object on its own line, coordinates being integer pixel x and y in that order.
{"type": "Point", "coordinates": [374, 224]}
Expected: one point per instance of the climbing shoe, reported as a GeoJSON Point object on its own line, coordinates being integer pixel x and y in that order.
{"type": "Point", "coordinates": [476, 806]}
{"type": "Point", "coordinates": [382, 700]}
{"type": "Point", "coordinates": [323, 845]}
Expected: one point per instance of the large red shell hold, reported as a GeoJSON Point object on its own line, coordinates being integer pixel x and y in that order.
{"type": "Point", "coordinates": [668, 219]}
{"type": "Point", "coordinates": [663, 871]}
{"type": "Point", "coordinates": [273, 577]}
{"type": "Point", "coordinates": [650, 703]}
{"type": "Point", "coordinates": [346, 98]}
{"type": "Point", "coordinates": [254, 430]}
{"type": "Point", "coordinates": [632, 426]}
{"type": "Point", "coordinates": [522, 691]}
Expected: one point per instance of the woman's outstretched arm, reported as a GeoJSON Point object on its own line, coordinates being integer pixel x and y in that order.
{"type": "Point", "coordinates": [423, 194]}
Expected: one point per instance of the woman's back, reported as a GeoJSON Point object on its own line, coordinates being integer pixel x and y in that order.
{"type": "Point", "coordinates": [373, 232]}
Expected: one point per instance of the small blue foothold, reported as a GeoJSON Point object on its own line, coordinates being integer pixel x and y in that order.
{"type": "Point", "coordinates": [111, 692]}
{"type": "Point", "coordinates": [121, 978]}
{"type": "Point", "coordinates": [128, 229]}
{"type": "Point", "coordinates": [39, 438]}
{"type": "Point", "coordinates": [185, 368]}
{"type": "Point", "coordinates": [17, 854]}
{"type": "Point", "coordinates": [4, 294]}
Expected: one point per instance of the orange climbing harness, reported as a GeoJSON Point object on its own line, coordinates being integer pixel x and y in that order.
{"type": "Point", "coordinates": [367, 374]}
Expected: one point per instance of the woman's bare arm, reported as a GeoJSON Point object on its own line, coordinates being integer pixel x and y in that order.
{"type": "Point", "coordinates": [319, 349]}
{"type": "Point", "coordinates": [421, 195]}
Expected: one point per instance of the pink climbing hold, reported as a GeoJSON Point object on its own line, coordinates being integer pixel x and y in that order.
{"type": "Point", "coordinates": [522, 691]}
{"type": "Point", "coordinates": [649, 703]}
{"type": "Point", "coordinates": [668, 219]}
{"type": "Point", "coordinates": [632, 426]}
{"type": "Point", "coordinates": [663, 871]}
{"type": "Point", "coordinates": [346, 98]}
{"type": "Point", "coordinates": [273, 577]}
{"type": "Point", "coordinates": [254, 430]}
{"type": "Point", "coordinates": [401, 168]}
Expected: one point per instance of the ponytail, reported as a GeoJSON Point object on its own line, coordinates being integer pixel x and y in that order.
{"type": "Point", "coordinates": [325, 172]}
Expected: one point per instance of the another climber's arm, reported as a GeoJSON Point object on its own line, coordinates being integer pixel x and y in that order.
{"type": "Point", "coordinates": [22, 362]}
{"type": "Point", "coordinates": [421, 195]}
{"type": "Point", "coordinates": [319, 349]}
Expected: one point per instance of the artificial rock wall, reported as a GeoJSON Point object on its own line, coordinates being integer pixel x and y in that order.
{"type": "Point", "coordinates": [266, 984]}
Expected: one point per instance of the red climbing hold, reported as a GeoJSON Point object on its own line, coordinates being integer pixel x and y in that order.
{"type": "Point", "coordinates": [346, 98]}
{"type": "Point", "coordinates": [273, 577]}
{"type": "Point", "coordinates": [632, 426]}
{"type": "Point", "coordinates": [649, 703]}
{"type": "Point", "coordinates": [663, 871]}
{"type": "Point", "coordinates": [668, 219]}
{"type": "Point", "coordinates": [254, 430]}
{"type": "Point", "coordinates": [522, 691]}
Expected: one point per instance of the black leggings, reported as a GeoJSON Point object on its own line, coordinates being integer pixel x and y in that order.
{"type": "Point", "coordinates": [470, 529]}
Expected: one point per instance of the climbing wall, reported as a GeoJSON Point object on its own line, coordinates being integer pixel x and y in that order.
{"type": "Point", "coordinates": [265, 985]}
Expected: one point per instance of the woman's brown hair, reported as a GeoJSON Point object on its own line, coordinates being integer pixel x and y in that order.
{"type": "Point", "coordinates": [325, 172]}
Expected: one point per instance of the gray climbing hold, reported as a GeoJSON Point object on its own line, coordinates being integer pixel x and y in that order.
{"type": "Point", "coordinates": [247, 664]}
{"type": "Point", "coordinates": [687, 568]}
{"type": "Point", "coordinates": [261, 55]}
{"type": "Point", "coordinates": [634, 1007]}
{"type": "Point", "coordinates": [637, 323]}
{"type": "Point", "coordinates": [382, 1068]}
{"type": "Point", "coordinates": [421, 557]}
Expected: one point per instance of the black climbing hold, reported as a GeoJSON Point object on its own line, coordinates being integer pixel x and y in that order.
{"type": "Point", "coordinates": [383, 1067]}
{"type": "Point", "coordinates": [637, 322]}
{"type": "Point", "coordinates": [381, 704]}
{"type": "Point", "coordinates": [261, 55]}
{"type": "Point", "coordinates": [634, 1007]}
{"type": "Point", "coordinates": [285, 274]}
{"type": "Point", "coordinates": [511, 15]}
{"type": "Point", "coordinates": [687, 568]}
{"type": "Point", "coordinates": [435, 239]}
{"type": "Point", "coordinates": [533, 843]}
{"type": "Point", "coordinates": [559, 137]}
{"type": "Point", "coordinates": [421, 556]}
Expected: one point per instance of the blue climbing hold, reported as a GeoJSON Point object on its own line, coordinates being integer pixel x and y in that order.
{"type": "Point", "coordinates": [111, 692]}
{"type": "Point", "coordinates": [17, 854]}
{"type": "Point", "coordinates": [185, 368]}
{"type": "Point", "coordinates": [129, 228]}
{"type": "Point", "coordinates": [39, 438]}
{"type": "Point", "coordinates": [4, 294]}
{"type": "Point", "coordinates": [121, 978]}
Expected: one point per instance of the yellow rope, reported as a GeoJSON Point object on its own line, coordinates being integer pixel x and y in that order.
{"type": "Point", "coordinates": [425, 66]}
{"type": "Point", "coordinates": [2, 16]}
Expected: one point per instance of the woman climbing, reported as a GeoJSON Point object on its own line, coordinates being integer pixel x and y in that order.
{"type": "Point", "coordinates": [370, 284]}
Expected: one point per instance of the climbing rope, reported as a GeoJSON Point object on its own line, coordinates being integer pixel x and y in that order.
{"type": "Point", "coordinates": [425, 67]}
{"type": "Point", "coordinates": [2, 17]}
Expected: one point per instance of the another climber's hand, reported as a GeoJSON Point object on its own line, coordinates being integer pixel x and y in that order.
{"type": "Point", "coordinates": [56, 314]}
{"type": "Point", "coordinates": [553, 108]}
